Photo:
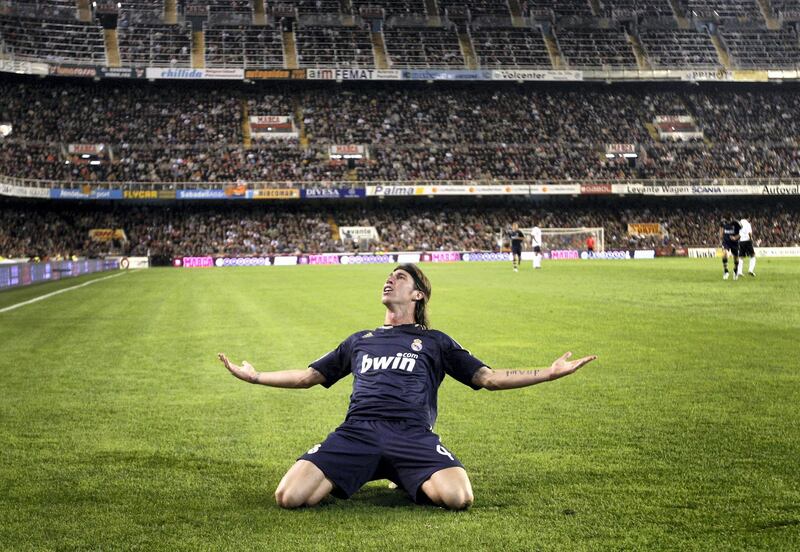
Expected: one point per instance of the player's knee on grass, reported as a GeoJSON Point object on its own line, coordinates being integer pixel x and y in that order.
{"type": "Point", "coordinates": [287, 498]}
{"type": "Point", "coordinates": [303, 485]}
{"type": "Point", "coordinates": [450, 488]}
{"type": "Point", "coordinates": [457, 499]}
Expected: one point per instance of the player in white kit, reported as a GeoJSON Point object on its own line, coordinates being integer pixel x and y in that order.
{"type": "Point", "coordinates": [536, 243]}
{"type": "Point", "coordinates": [746, 248]}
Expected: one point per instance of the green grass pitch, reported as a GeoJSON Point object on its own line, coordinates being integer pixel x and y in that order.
{"type": "Point", "coordinates": [119, 429]}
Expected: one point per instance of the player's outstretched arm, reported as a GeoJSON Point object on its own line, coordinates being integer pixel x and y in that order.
{"type": "Point", "coordinates": [495, 380]}
{"type": "Point", "coordinates": [291, 379]}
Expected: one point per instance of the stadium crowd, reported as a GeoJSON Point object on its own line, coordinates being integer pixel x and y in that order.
{"type": "Point", "coordinates": [189, 133]}
{"type": "Point", "coordinates": [47, 229]}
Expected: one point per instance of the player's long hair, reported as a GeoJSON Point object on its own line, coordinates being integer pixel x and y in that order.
{"type": "Point", "coordinates": [421, 283]}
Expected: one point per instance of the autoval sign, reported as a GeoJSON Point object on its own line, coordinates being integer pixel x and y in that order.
{"type": "Point", "coordinates": [792, 189]}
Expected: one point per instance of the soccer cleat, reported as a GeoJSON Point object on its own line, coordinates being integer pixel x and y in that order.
{"type": "Point", "coordinates": [735, 277]}
{"type": "Point", "coordinates": [515, 270]}
{"type": "Point", "coordinates": [753, 274]}
{"type": "Point", "coordinates": [725, 276]}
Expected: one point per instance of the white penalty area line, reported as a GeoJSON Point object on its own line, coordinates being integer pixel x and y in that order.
{"type": "Point", "coordinates": [48, 295]}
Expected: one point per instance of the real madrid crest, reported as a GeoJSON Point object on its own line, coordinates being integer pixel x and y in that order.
{"type": "Point", "coordinates": [416, 345]}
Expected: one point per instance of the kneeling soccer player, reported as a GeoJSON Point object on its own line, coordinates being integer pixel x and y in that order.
{"type": "Point", "coordinates": [388, 431]}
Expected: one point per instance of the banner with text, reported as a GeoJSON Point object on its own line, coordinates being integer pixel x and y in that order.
{"type": "Point", "coordinates": [157, 73]}
{"type": "Point", "coordinates": [276, 193]}
{"type": "Point", "coordinates": [107, 234]}
{"type": "Point", "coordinates": [358, 233]}
{"type": "Point", "coordinates": [86, 193]}
{"type": "Point", "coordinates": [23, 191]}
{"type": "Point", "coordinates": [645, 229]}
{"type": "Point", "coordinates": [23, 67]}
{"type": "Point", "coordinates": [332, 193]}
{"type": "Point", "coordinates": [536, 75]}
{"type": "Point", "coordinates": [272, 127]}
{"type": "Point", "coordinates": [353, 74]}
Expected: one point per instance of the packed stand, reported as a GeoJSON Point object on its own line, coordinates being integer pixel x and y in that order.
{"type": "Point", "coordinates": [178, 133]}
{"type": "Point", "coordinates": [48, 229]}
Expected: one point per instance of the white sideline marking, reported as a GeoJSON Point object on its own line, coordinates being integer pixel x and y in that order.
{"type": "Point", "coordinates": [35, 299]}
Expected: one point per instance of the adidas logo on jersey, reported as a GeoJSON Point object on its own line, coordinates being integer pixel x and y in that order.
{"type": "Point", "coordinates": [402, 361]}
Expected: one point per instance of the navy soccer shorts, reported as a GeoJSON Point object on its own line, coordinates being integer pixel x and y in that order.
{"type": "Point", "coordinates": [359, 451]}
{"type": "Point", "coordinates": [733, 247]}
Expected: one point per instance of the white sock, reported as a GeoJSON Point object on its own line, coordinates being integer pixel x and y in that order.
{"type": "Point", "coordinates": [752, 264]}
{"type": "Point", "coordinates": [740, 266]}
{"type": "Point", "coordinates": [537, 261]}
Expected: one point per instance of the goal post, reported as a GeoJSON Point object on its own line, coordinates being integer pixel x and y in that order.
{"type": "Point", "coordinates": [569, 238]}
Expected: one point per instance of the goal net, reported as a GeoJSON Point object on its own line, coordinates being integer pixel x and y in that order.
{"type": "Point", "coordinates": [569, 239]}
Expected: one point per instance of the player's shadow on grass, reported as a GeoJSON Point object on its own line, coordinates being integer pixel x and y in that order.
{"type": "Point", "coordinates": [373, 496]}
{"type": "Point", "coordinates": [377, 496]}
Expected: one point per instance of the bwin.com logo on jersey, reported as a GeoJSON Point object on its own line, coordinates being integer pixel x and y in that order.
{"type": "Point", "coordinates": [416, 345]}
{"type": "Point", "coordinates": [401, 361]}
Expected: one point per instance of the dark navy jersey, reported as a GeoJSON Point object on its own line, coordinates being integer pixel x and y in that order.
{"type": "Point", "coordinates": [730, 229]}
{"type": "Point", "coordinates": [517, 237]}
{"type": "Point", "coordinates": [397, 371]}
